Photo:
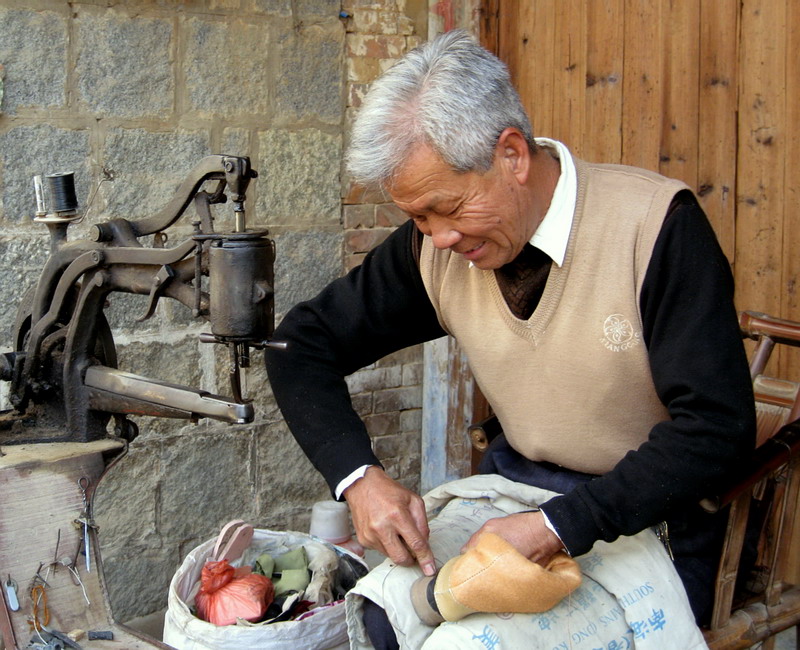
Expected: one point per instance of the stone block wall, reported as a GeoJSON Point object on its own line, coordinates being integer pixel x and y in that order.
{"type": "Point", "coordinates": [141, 91]}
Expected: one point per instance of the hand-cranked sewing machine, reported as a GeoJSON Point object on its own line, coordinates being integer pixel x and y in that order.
{"type": "Point", "coordinates": [64, 380]}
{"type": "Point", "coordinates": [65, 385]}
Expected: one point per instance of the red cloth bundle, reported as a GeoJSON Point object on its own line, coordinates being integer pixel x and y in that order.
{"type": "Point", "coordinates": [227, 594]}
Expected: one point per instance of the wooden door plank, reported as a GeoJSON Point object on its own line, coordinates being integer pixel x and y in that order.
{"type": "Point", "coordinates": [603, 97]}
{"type": "Point", "coordinates": [679, 126]}
{"type": "Point", "coordinates": [569, 73]}
{"type": "Point", "coordinates": [490, 25]}
{"type": "Point", "coordinates": [537, 50]}
{"type": "Point", "coordinates": [759, 223]}
{"type": "Point", "coordinates": [717, 135]}
{"type": "Point", "coordinates": [791, 217]}
{"type": "Point", "coordinates": [642, 84]}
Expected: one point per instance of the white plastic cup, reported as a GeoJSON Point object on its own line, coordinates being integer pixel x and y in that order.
{"type": "Point", "coordinates": [330, 520]}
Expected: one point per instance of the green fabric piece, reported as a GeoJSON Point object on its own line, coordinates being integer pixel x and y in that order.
{"type": "Point", "coordinates": [264, 565]}
{"type": "Point", "coordinates": [288, 571]}
{"type": "Point", "coordinates": [291, 580]}
{"type": "Point", "coordinates": [294, 559]}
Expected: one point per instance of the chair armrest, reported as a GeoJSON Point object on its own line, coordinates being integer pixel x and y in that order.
{"type": "Point", "coordinates": [754, 325]}
{"type": "Point", "coordinates": [483, 432]}
{"type": "Point", "coordinates": [774, 453]}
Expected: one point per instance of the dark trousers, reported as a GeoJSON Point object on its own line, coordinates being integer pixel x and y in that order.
{"type": "Point", "coordinates": [695, 536]}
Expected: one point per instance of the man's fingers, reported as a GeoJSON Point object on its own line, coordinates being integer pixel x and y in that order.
{"type": "Point", "coordinates": [419, 546]}
{"type": "Point", "coordinates": [391, 519]}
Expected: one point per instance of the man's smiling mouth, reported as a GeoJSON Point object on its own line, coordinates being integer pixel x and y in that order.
{"type": "Point", "coordinates": [472, 252]}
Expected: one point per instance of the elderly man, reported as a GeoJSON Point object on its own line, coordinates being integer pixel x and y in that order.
{"type": "Point", "coordinates": [593, 302]}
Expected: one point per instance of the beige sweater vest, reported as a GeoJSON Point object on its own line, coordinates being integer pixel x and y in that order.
{"type": "Point", "coordinates": [571, 385]}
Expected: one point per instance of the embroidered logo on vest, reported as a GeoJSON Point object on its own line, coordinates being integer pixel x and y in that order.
{"type": "Point", "coordinates": [619, 333]}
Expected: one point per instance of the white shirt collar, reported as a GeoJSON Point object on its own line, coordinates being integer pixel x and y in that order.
{"type": "Point", "coordinates": [552, 235]}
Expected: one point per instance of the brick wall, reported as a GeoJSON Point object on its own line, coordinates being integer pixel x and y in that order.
{"type": "Point", "coordinates": [388, 395]}
{"type": "Point", "coordinates": [147, 89]}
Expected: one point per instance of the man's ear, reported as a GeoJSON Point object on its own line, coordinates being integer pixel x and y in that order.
{"type": "Point", "coordinates": [512, 150]}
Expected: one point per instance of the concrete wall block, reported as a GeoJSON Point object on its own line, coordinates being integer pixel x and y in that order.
{"type": "Point", "coordinates": [359, 216]}
{"type": "Point", "coordinates": [411, 421]}
{"type": "Point", "coordinates": [21, 260]}
{"type": "Point", "coordinates": [412, 374]}
{"type": "Point", "coordinates": [375, 379]}
{"type": "Point", "coordinates": [291, 164]}
{"type": "Point", "coordinates": [191, 505]}
{"type": "Point", "coordinates": [317, 8]}
{"type": "Point", "coordinates": [138, 579]}
{"type": "Point", "coordinates": [273, 7]}
{"type": "Point", "coordinates": [124, 310]}
{"type": "Point", "coordinates": [35, 77]}
{"type": "Point", "coordinates": [363, 70]}
{"type": "Point", "coordinates": [224, 4]}
{"type": "Point", "coordinates": [305, 262]}
{"type": "Point", "coordinates": [356, 93]}
{"type": "Point", "coordinates": [388, 215]}
{"type": "Point", "coordinates": [398, 399]}
{"type": "Point", "coordinates": [362, 241]}
{"type": "Point", "coordinates": [352, 193]}
{"type": "Point", "coordinates": [282, 493]}
{"type": "Point", "coordinates": [350, 5]}
{"type": "Point", "coordinates": [130, 493]}
{"type": "Point", "coordinates": [405, 26]}
{"type": "Point", "coordinates": [149, 168]}
{"type": "Point", "coordinates": [371, 20]}
{"type": "Point", "coordinates": [363, 404]}
{"type": "Point", "coordinates": [410, 482]}
{"type": "Point", "coordinates": [235, 142]}
{"type": "Point", "coordinates": [381, 426]}
{"type": "Point", "coordinates": [175, 361]}
{"type": "Point", "coordinates": [124, 64]}
{"type": "Point", "coordinates": [405, 469]}
{"type": "Point", "coordinates": [227, 67]}
{"type": "Point", "coordinates": [412, 354]}
{"type": "Point", "coordinates": [398, 445]}
{"type": "Point", "coordinates": [376, 46]}
{"type": "Point", "coordinates": [26, 151]}
{"type": "Point", "coordinates": [310, 82]}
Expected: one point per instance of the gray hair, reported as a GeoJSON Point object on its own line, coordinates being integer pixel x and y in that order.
{"type": "Point", "coordinates": [450, 94]}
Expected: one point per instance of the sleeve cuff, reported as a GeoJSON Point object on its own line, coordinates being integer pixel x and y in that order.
{"type": "Point", "coordinates": [552, 529]}
{"type": "Point", "coordinates": [348, 480]}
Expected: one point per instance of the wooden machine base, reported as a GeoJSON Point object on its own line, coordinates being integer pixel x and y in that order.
{"type": "Point", "coordinates": [41, 499]}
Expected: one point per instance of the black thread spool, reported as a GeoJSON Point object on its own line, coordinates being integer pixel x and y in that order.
{"type": "Point", "coordinates": [61, 187]}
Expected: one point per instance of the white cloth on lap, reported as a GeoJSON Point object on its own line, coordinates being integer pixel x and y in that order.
{"type": "Point", "coordinates": [631, 596]}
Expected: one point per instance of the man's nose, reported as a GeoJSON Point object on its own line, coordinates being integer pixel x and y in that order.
{"type": "Point", "coordinates": [444, 236]}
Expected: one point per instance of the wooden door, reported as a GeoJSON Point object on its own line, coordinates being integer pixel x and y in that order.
{"type": "Point", "coordinates": [707, 91]}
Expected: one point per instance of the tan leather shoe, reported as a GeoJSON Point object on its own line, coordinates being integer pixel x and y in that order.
{"type": "Point", "coordinates": [493, 577]}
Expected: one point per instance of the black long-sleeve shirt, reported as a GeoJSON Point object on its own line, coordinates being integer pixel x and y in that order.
{"type": "Point", "coordinates": [694, 347]}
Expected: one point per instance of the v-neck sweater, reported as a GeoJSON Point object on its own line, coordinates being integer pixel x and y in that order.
{"type": "Point", "coordinates": [571, 385]}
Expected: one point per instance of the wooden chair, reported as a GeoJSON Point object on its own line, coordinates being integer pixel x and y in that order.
{"type": "Point", "coordinates": [767, 605]}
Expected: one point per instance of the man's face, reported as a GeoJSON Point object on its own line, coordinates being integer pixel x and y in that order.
{"type": "Point", "coordinates": [479, 216]}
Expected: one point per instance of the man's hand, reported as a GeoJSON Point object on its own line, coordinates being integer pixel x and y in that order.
{"type": "Point", "coordinates": [390, 519]}
{"type": "Point", "coordinates": [526, 532]}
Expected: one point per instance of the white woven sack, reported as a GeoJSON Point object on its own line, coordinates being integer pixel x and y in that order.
{"type": "Point", "coordinates": [631, 596]}
{"type": "Point", "coordinates": [325, 630]}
